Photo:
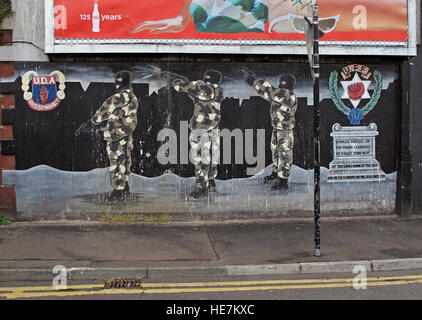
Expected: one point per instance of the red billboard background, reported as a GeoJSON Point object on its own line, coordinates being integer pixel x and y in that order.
{"type": "Point", "coordinates": [385, 20]}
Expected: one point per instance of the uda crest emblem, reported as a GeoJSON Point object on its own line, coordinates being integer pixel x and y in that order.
{"type": "Point", "coordinates": [43, 93]}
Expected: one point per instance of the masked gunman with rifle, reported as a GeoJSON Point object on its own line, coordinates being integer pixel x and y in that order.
{"type": "Point", "coordinates": [283, 108]}
{"type": "Point", "coordinates": [117, 119]}
{"type": "Point", "coordinates": [204, 139]}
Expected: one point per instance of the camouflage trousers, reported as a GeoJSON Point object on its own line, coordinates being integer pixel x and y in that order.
{"type": "Point", "coordinates": [282, 142]}
{"type": "Point", "coordinates": [119, 155]}
{"type": "Point", "coordinates": [205, 155]}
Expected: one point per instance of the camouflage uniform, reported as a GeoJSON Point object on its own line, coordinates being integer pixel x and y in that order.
{"type": "Point", "coordinates": [207, 99]}
{"type": "Point", "coordinates": [283, 109]}
{"type": "Point", "coordinates": [117, 116]}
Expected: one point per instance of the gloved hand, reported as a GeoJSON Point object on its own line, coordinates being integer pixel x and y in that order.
{"type": "Point", "coordinates": [173, 76]}
{"type": "Point", "coordinates": [85, 127]}
{"type": "Point", "coordinates": [248, 75]}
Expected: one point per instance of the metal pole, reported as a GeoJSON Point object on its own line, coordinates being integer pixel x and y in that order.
{"type": "Point", "coordinates": [317, 176]}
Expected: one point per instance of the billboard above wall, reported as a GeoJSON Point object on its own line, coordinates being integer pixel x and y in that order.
{"type": "Point", "coordinates": [229, 26]}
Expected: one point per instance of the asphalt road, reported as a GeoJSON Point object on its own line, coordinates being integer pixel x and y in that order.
{"type": "Point", "coordinates": [394, 285]}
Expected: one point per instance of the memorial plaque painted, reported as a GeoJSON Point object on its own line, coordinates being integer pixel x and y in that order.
{"type": "Point", "coordinates": [352, 147]}
{"type": "Point", "coordinates": [354, 155]}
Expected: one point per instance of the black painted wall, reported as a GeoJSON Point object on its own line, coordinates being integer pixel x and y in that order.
{"type": "Point", "coordinates": [413, 162]}
{"type": "Point", "coordinates": [48, 137]}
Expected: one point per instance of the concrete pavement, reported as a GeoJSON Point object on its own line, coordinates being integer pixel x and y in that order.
{"type": "Point", "coordinates": [97, 250]}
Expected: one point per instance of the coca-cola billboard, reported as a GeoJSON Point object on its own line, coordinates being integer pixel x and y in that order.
{"type": "Point", "coordinates": [222, 21]}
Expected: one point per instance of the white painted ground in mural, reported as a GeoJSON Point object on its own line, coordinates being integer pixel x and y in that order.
{"type": "Point", "coordinates": [45, 190]}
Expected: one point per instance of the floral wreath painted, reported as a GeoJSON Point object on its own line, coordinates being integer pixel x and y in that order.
{"type": "Point", "coordinates": [47, 97]}
{"type": "Point", "coordinates": [355, 115]}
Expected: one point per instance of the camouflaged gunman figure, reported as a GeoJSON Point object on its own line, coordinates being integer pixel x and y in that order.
{"type": "Point", "coordinates": [207, 96]}
{"type": "Point", "coordinates": [117, 119]}
{"type": "Point", "coordinates": [283, 108]}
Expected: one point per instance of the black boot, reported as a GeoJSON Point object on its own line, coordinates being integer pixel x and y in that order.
{"type": "Point", "coordinates": [270, 178]}
{"type": "Point", "coordinates": [198, 193]}
{"type": "Point", "coordinates": [116, 196]}
{"type": "Point", "coordinates": [212, 187]}
{"type": "Point", "coordinates": [280, 184]}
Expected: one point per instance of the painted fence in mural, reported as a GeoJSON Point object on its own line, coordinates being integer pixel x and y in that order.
{"type": "Point", "coordinates": [199, 140]}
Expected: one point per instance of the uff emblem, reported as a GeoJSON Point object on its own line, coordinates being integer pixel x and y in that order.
{"type": "Point", "coordinates": [355, 90]}
{"type": "Point", "coordinates": [43, 93]}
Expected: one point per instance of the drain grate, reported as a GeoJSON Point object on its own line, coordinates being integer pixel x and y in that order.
{"type": "Point", "coordinates": [123, 283]}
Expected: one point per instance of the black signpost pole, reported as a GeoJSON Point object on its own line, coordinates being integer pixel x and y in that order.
{"type": "Point", "coordinates": [317, 176]}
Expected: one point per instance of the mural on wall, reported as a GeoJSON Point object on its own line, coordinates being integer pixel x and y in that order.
{"type": "Point", "coordinates": [204, 138]}
{"type": "Point", "coordinates": [354, 147]}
